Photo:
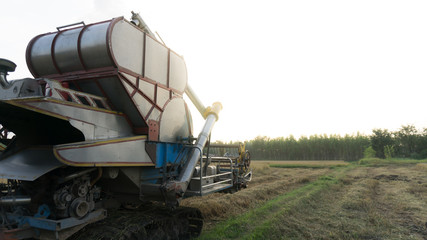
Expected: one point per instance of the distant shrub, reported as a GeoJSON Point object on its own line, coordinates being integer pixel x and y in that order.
{"type": "Point", "coordinates": [369, 152]}
{"type": "Point", "coordinates": [423, 154]}
{"type": "Point", "coordinates": [419, 156]}
{"type": "Point", "coordinates": [382, 162]}
{"type": "Point", "coordinates": [389, 151]}
{"type": "Point", "coordinates": [415, 156]}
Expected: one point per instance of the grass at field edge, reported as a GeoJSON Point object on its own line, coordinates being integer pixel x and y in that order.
{"type": "Point", "coordinates": [259, 223]}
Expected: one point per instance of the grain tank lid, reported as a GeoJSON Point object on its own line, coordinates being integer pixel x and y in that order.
{"type": "Point", "coordinates": [78, 48]}
{"type": "Point", "coordinates": [116, 43]}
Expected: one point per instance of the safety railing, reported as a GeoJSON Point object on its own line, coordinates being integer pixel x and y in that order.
{"type": "Point", "coordinates": [57, 90]}
{"type": "Point", "coordinates": [208, 183]}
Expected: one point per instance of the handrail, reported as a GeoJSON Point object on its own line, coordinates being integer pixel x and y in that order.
{"type": "Point", "coordinates": [63, 93]}
{"type": "Point", "coordinates": [212, 176]}
{"type": "Point", "coordinates": [219, 160]}
{"type": "Point", "coordinates": [216, 183]}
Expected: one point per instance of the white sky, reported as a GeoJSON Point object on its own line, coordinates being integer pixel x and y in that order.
{"type": "Point", "coordinates": [279, 67]}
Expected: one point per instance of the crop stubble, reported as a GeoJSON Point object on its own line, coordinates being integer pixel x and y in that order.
{"type": "Point", "coordinates": [385, 202]}
{"type": "Point", "coordinates": [266, 184]}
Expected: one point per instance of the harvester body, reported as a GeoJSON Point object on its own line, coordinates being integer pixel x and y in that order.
{"type": "Point", "coordinates": [103, 123]}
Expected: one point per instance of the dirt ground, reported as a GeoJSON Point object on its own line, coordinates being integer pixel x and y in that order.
{"type": "Point", "coordinates": [387, 202]}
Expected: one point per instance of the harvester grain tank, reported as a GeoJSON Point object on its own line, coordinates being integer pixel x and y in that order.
{"type": "Point", "coordinates": [103, 124]}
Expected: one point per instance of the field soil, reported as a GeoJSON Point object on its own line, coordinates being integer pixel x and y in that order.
{"type": "Point", "coordinates": [346, 202]}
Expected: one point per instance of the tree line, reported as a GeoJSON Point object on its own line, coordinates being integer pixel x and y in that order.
{"type": "Point", "coordinates": [407, 142]}
{"type": "Point", "coordinates": [315, 147]}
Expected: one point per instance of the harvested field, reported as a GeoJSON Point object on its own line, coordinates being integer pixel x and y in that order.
{"type": "Point", "coordinates": [266, 183]}
{"type": "Point", "coordinates": [299, 162]}
{"type": "Point", "coordinates": [350, 202]}
{"type": "Point", "coordinates": [308, 164]}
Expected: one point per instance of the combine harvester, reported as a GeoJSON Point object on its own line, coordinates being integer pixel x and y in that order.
{"type": "Point", "coordinates": [104, 125]}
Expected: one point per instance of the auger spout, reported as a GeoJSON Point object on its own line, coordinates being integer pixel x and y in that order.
{"type": "Point", "coordinates": [179, 186]}
{"type": "Point", "coordinates": [212, 117]}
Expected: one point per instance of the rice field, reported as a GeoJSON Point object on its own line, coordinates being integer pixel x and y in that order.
{"type": "Point", "coordinates": [267, 182]}
{"type": "Point", "coordinates": [349, 202]}
{"type": "Point", "coordinates": [299, 162]}
{"type": "Point", "coordinates": [303, 164]}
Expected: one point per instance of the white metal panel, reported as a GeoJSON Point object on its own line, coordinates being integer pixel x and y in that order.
{"type": "Point", "coordinates": [163, 96]}
{"type": "Point", "coordinates": [87, 129]}
{"type": "Point", "coordinates": [177, 73]}
{"type": "Point", "coordinates": [131, 78]}
{"type": "Point", "coordinates": [189, 118]}
{"type": "Point", "coordinates": [21, 165]}
{"type": "Point", "coordinates": [173, 122]}
{"type": "Point", "coordinates": [147, 88]}
{"type": "Point", "coordinates": [93, 132]}
{"type": "Point", "coordinates": [128, 87]}
{"type": "Point", "coordinates": [99, 118]}
{"type": "Point", "coordinates": [119, 98]}
{"type": "Point", "coordinates": [155, 114]}
{"type": "Point", "coordinates": [143, 105]}
{"type": "Point", "coordinates": [156, 61]}
{"type": "Point", "coordinates": [120, 151]}
{"type": "Point", "coordinates": [127, 43]}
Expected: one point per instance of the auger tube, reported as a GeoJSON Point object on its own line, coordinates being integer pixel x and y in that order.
{"type": "Point", "coordinates": [211, 116]}
{"type": "Point", "coordinates": [185, 176]}
{"type": "Point", "coordinates": [180, 185]}
{"type": "Point", "coordinates": [195, 100]}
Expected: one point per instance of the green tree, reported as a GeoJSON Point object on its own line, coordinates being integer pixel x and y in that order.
{"type": "Point", "coordinates": [389, 151]}
{"type": "Point", "coordinates": [406, 140]}
{"type": "Point", "coordinates": [369, 152]}
{"type": "Point", "coordinates": [379, 139]}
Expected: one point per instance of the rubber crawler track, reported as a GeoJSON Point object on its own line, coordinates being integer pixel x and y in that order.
{"type": "Point", "coordinates": [151, 222]}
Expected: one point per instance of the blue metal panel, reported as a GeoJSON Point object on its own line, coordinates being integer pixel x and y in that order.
{"type": "Point", "coordinates": [168, 157]}
{"type": "Point", "coordinates": [150, 175]}
{"type": "Point", "coordinates": [170, 153]}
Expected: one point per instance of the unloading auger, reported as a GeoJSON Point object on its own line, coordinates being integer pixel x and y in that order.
{"type": "Point", "coordinates": [103, 125]}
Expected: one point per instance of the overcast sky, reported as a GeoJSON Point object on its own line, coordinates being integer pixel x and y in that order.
{"type": "Point", "coordinates": [278, 67]}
